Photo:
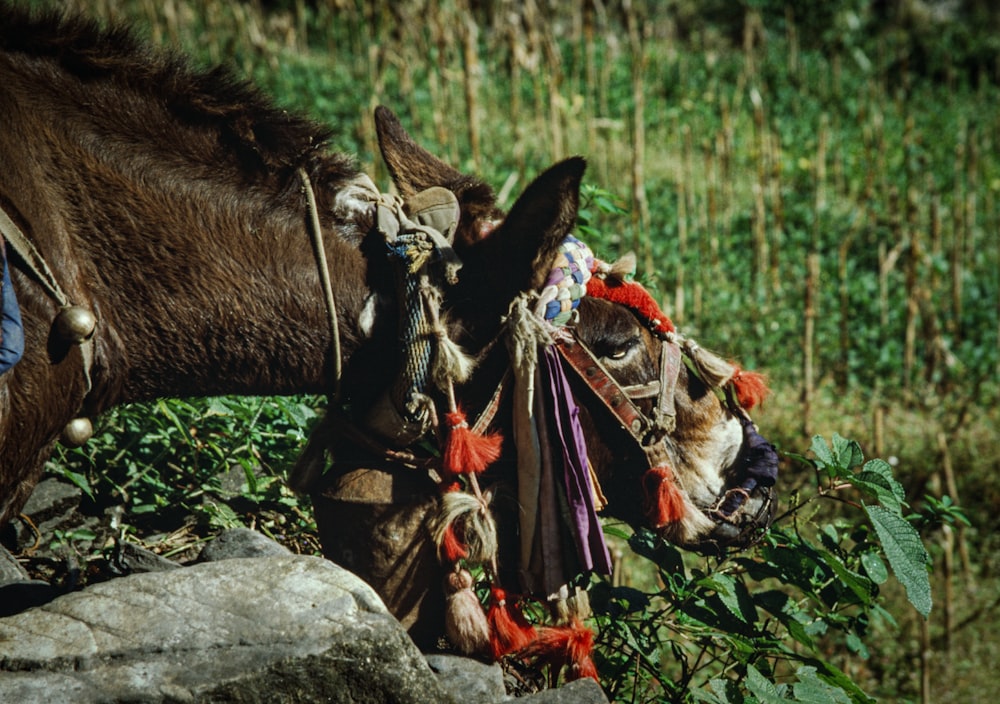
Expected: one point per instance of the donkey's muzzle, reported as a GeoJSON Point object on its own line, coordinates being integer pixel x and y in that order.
{"type": "Point", "coordinates": [747, 507]}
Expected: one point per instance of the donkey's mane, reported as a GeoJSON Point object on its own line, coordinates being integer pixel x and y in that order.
{"type": "Point", "coordinates": [261, 134]}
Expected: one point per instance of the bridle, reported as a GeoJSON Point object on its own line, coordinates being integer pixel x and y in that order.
{"type": "Point", "coordinates": [646, 430]}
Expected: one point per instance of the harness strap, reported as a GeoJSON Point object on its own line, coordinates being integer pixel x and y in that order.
{"type": "Point", "coordinates": [27, 251]}
{"type": "Point", "coordinates": [617, 399]}
{"type": "Point", "coordinates": [38, 266]}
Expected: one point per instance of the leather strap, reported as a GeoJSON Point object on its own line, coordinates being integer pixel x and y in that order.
{"type": "Point", "coordinates": [34, 261]}
{"type": "Point", "coordinates": [617, 399]}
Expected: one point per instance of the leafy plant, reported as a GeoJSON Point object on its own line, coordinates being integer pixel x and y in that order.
{"type": "Point", "coordinates": [758, 626]}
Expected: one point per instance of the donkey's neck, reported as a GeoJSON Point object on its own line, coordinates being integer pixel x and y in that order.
{"type": "Point", "coordinates": [212, 300]}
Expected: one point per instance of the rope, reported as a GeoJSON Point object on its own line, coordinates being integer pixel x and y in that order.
{"type": "Point", "coordinates": [316, 233]}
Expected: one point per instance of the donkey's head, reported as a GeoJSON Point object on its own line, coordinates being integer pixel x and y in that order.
{"type": "Point", "coordinates": [667, 437]}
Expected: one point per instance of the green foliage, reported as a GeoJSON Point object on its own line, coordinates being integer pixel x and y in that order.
{"type": "Point", "coordinates": [758, 627]}
{"type": "Point", "coordinates": [220, 459]}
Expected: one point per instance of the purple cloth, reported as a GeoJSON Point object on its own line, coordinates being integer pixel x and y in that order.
{"type": "Point", "coordinates": [587, 531]}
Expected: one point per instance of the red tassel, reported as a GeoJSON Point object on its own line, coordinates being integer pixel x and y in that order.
{"type": "Point", "coordinates": [751, 388]}
{"type": "Point", "coordinates": [631, 295]}
{"type": "Point", "coordinates": [663, 499]}
{"type": "Point", "coordinates": [452, 549]}
{"type": "Point", "coordinates": [466, 452]}
{"type": "Point", "coordinates": [510, 629]}
{"type": "Point", "coordinates": [567, 648]}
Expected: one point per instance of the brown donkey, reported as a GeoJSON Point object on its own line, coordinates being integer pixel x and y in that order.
{"type": "Point", "coordinates": [168, 206]}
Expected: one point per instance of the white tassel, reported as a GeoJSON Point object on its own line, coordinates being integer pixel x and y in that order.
{"type": "Point", "coordinates": [451, 362]}
{"type": "Point", "coordinates": [714, 371]}
{"type": "Point", "coordinates": [479, 529]}
{"type": "Point", "coordinates": [465, 622]}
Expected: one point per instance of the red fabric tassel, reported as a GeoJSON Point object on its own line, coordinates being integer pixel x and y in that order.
{"type": "Point", "coordinates": [452, 549]}
{"type": "Point", "coordinates": [751, 388]}
{"type": "Point", "coordinates": [466, 452]}
{"type": "Point", "coordinates": [567, 648]}
{"type": "Point", "coordinates": [663, 499]}
{"type": "Point", "coordinates": [632, 295]}
{"type": "Point", "coordinates": [510, 629]}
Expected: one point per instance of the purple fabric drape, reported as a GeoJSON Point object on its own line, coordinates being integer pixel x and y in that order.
{"type": "Point", "coordinates": [587, 532]}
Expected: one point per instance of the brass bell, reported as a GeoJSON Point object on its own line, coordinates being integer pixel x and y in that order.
{"type": "Point", "coordinates": [77, 432]}
{"type": "Point", "coordinates": [75, 324]}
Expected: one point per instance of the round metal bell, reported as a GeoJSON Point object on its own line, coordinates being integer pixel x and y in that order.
{"type": "Point", "coordinates": [77, 432]}
{"type": "Point", "coordinates": [75, 324]}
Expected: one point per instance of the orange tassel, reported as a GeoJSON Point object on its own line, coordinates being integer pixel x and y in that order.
{"type": "Point", "coordinates": [664, 502]}
{"type": "Point", "coordinates": [466, 452]}
{"type": "Point", "coordinates": [751, 388]}
{"type": "Point", "coordinates": [452, 549]}
{"type": "Point", "coordinates": [510, 629]}
{"type": "Point", "coordinates": [567, 648]}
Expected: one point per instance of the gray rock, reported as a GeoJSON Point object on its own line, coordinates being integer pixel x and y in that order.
{"type": "Point", "coordinates": [582, 691]}
{"type": "Point", "coordinates": [133, 559]}
{"type": "Point", "coordinates": [10, 569]}
{"type": "Point", "coordinates": [469, 680]}
{"type": "Point", "coordinates": [50, 498]}
{"type": "Point", "coordinates": [51, 507]}
{"type": "Point", "coordinates": [15, 597]}
{"type": "Point", "coordinates": [241, 542]}
{"type": "Point", "coordinates": [268, 629]}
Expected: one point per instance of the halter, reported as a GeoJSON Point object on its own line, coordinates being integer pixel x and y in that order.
{"type": "Point", "coordinates": [647, 431]}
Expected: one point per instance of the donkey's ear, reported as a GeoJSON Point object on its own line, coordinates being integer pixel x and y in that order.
{"type": "Point", "coordinates": [414, 169]}
{"type": "Point", "coordinates": [518, 255]}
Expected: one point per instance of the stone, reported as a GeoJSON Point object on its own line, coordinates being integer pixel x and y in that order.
{"type": "Point", "coordinates": [279, 628]}
{"type": "Point", "coordinates": [241, 542]}
{"type": "Point", "coordinates": [470, 680]}
{"type": "Point", "coordinates": [130, 558]}
{"type": "Point", "coordinates": [10, 569]}
{"type": "Point", "coordinates": [51, 507]}
{"type": "Point", "coordinates": [582, 691]}
{"type": "Point", "coordinates": [51, 497]}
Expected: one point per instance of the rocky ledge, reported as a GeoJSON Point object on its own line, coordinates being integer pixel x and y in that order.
{"type": "Point", "coordinates": [248, 622]}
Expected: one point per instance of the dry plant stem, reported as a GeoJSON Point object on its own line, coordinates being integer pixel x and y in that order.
{"type": "Point", "coordinates": [470, 74]}
{"type": "Point", "coordinates": [952, 488]}
{"type": "Point", "coordinates": [682, 179]}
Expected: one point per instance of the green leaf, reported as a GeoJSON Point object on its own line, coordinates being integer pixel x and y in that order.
{"type": "Point", "coordinates": [762, 688]}
{"type": "Point", "coordinates": [876, 480]}
{"type": "Point", "coordinates": [859, 585]}
{"type": "Point", "coordinates": [735, 597]}
{"type": "Point", "coordinates": [822, 451]}
{"type": "Point", "coordinates": [847, 452]}
{"type": "Point", "coordinates": [857, 646]}
{"type": "Point", "coordinates": [80, 480]}
{"type": "Point", "coordinates": [906, 554]}
{"type": "Point", "coordinates": [813, 690]}
{"type": "Point", "coordinates": [874, 567]}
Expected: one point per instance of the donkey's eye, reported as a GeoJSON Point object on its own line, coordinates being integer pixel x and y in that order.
{"type": "Point", "coordinates": [619, 350]}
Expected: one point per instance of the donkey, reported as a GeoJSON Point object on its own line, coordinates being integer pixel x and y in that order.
{"type": "Point", "coordinates": [168, 215]}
